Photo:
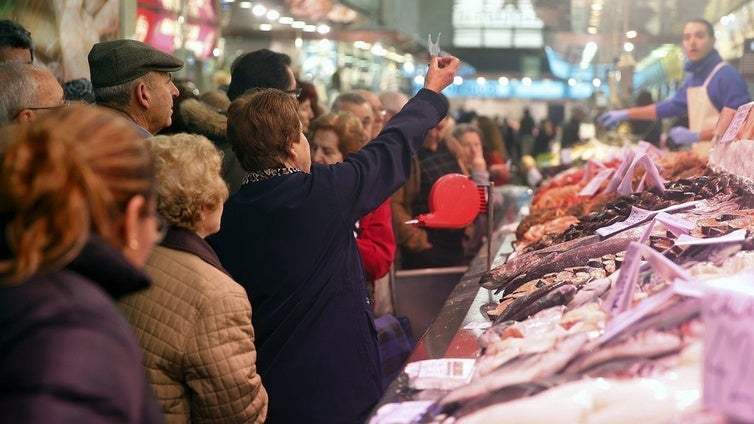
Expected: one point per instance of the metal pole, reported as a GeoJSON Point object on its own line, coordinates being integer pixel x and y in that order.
{"type": "Point", "coordinates": [490, 222]}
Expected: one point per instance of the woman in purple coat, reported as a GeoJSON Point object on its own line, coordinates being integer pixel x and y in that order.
{"type": "Point", "coordinates": [77, 215]}
{"type": "Point", "coordinates": [287, 237]}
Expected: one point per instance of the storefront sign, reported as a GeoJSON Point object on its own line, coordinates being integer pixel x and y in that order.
{"type": "Point", "coordinates": [163, 32]}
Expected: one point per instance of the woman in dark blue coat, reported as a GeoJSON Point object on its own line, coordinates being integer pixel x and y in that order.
{"type": "Point", "coordinates": [77, 219]}
{"type": "Point", "coordinates": [287, 237]}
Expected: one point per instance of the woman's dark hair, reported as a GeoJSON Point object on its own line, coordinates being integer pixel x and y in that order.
{"type": "Point", "coordinates": [259, 69]}
{"type": "Point", "coordinates": [14, 35]}
{"type": "Point", "coordinates": [262, 126]}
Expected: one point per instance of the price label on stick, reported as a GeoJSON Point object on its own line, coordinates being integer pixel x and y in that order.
{"type": "Point", "coordinates": [742, 113]}
{"type": "Point", "coordinates": [618, 303]}
{"type": "Point", "coordinates": [622, 293]}
{"type": "Point", "coordinates": [618, 175]}
{"type": "Point", "coordinates": [676, 225]}
{"type": "Point", "coordinates": [727, 312]}
{"type": "Point", "coordinates": [595, 183]}
{"type": "Point", "coordinates": [736, 236]}
{"type": "Point", "coordinates": [638, 216]}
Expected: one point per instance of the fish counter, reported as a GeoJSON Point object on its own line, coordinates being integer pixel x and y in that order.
{"type": "Point", "coordinates": [616, 280]}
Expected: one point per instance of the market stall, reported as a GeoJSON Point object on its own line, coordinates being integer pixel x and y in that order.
{"type": "Point", "coordinates": [615, 275]}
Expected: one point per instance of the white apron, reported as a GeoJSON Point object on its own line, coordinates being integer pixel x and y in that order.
{"type": "Point", "coordinates": [702, 113]}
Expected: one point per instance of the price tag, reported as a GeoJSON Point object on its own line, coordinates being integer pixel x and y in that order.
{"type": "Point", "coordinates": [651, 174]}
{"type": "Point", "coordinates": [676, 225]}
{"type": "Point", "coordinates": [443, 374]}
{"type": "Point", "coordinates": [726, 116]}
{"type": "Point", "coordinates": [728, 313]}
{"type": "Point", "coordinates": [620, 172]}
{"type": "Point", "coordinates": [622, 293]}
{"type": "Point", "coordinates": [403, 412]}
{"type": "Point", "coordinates": [618, 302]}
{"type": "Point", "coordinates": [663, 266]}
{"type": "Point", "coordinates": [643, 180]}
{"type": "Point", "coordinates": [622, 321]}
{"type": "Point", "coordinates": [737, 123]}
{"type": "Point", "coordinates": [639, 215]}
{"type": "Point", "coordinates": [651, 149]}
{"type": "Point", "coordinates": [477, 325]}
{"type": "Point", "coordinates": [591, 168]}
{"type": "Point", "coordinates": [732, 237]}
{"type": "Point", "coordinates": [595, 183]}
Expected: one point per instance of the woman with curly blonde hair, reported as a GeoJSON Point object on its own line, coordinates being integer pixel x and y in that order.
{"type": "Point", "coordinates": [194, 323]}
{"type": "Point", "coordinates": [77, 215]}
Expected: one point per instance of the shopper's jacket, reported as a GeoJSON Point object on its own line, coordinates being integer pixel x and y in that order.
{"type": "Point", "coordinates": [376, 241]}
{"type": "Point", "coordinates": [67, 355]}
{"type": "Point", "coordinates": [289, 241]}
{"type": "Point", "coordinates": [194, 324]}
{"type": "Point", "coordinates": [201, 118]}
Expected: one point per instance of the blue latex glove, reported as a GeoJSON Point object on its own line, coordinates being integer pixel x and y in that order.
{"type": "Point", "coordinates": [612, 118]}
{"type": "Point", "coordinates": [683, 135]}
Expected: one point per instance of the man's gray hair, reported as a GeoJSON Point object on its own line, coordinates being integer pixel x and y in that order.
{"type": "Point", "coordinates": [119, 96]}
{"type": "Point", "coordinates": [353, 97]}
{"type": "Point", "coordinates": [17, 88]}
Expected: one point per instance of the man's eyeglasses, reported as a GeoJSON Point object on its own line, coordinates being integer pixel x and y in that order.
{"type": "Point", "coordinates": [296, 92]}
{"type": "Point", "coordinates": [64, 104]}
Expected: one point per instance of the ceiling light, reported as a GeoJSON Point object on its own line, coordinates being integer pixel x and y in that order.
{"type": "Point", "coordinates": [273, 15]}
{"type": "Point", "coordinates": [378, 50]}
{"type": "Point", "coordinates": [265, 27]}
{"type": "Point", "coordinates": [323, 29]}
{"type": "Point", "coordinates": [591, 30]}
{"type": "Point", "coordinates": [481, 81]}
{"type": "Point", "coordinates": [245, 5]}
{"type": "Point", "coordinates": [596, 82]}
{"type": "Point", "coordinates": [457, 80]}
{"type": "Point", "coordinates": [631, 34]}
{"type": "Point", "coordinates": [298, 42]}
{"type": "Point", "coordinates": [628, 46]}
{"type": "Point", "coordinates": [503, 80]}
{"type": "Point", "coordinates": [526, 81]}
{"type": "Point", "coordinates": [419, 80]}
{"type": "Point", "coordinates": [310, 28]}
{"type": "Point", "coordinates": [298, 24]}
{"type": "Point", "coordinates": [572, 82]}
{"type": "Point", "coordinates": [285, 20]}
{"type": "Point", "coordinates": [259, 10]}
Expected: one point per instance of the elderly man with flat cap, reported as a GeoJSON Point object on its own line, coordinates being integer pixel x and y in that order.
{"type": "Point", "coordinates": [134, 80]}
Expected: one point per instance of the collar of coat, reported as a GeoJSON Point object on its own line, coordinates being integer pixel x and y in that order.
{"type": "Point", "coordinates": [105, 265]}
{"type": "Point", "coordinates": [188, 241]}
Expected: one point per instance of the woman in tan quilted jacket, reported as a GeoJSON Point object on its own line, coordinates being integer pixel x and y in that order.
{"type": "Point", "coordinates": [194, 323]}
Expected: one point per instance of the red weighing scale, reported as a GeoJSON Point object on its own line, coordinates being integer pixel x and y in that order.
{"type": "Point", "coordinates": [454, 202]}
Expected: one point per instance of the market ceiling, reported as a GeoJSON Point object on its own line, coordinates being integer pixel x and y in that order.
{"type": "Point", "coordinates": [568, 24]}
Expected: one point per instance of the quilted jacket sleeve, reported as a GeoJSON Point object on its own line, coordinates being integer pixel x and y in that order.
{"type": "Point", "coordinates": [221, 364]}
